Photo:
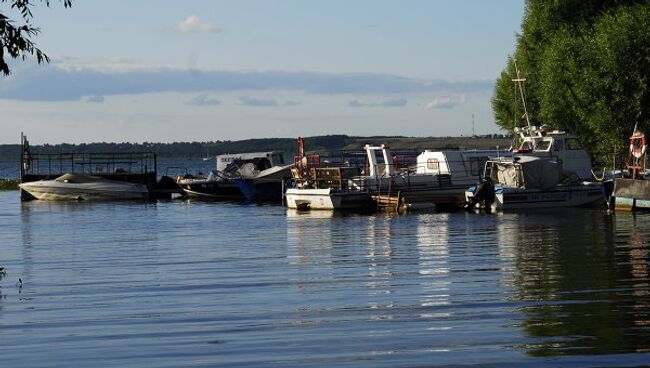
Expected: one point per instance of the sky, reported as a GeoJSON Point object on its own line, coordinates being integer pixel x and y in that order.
{"type": "Point", "coordinates": [205, 70]}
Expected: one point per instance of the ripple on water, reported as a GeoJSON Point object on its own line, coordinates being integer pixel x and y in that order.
{"type": "Point", "coordinates": [186, 283]}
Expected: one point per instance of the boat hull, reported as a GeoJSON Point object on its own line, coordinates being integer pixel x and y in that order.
{"type": "Point", "coordinates": [260, 191]}
{"type": "Point", "coordinates": [326, 199]}
{"type": "Point", "coordinates": [420, 189]}
{"type": "Point", "coordinates": [211, 189]}
{"type": "Point", "coordinates": [51, 190]}
{"type": "Point", "coordinates": [562, 196]}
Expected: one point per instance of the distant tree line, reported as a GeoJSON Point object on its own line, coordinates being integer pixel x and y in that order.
{"type": "Point", "coordinates": [587, 68]}
{"type": "Point", "coordinates": [320, 144]}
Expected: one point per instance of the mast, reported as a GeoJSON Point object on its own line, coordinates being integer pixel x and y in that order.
{"type": "Point", "coordinates": [520, 83]}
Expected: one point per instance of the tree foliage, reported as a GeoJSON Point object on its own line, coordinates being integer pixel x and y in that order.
{"type": "Point", "coordinates": [16, 39]}
{"type": "Point", "coordinates": [587, 64]}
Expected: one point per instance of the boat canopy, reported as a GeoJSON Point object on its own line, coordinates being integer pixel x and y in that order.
{"type": "Point", "coordinates": [78, 178]}
{"type": "Point", "coordinates": [528, 172]}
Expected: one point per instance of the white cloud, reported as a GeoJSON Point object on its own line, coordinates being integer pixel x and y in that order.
{"type": "Point", "coordinates": [250, 101]}
{"type": "Point", "coordinates": [203, 100]}
{"type": "Point", "coordinates": [448, 102]}
{"type": "Point", "coordinates": [72, 82]}
{"type": "Point", "coordinates": [194, 24]}
{"type": "Point", "coordinates": [398, 102]}
{"type": "Point", "coordinates": [93, 99]}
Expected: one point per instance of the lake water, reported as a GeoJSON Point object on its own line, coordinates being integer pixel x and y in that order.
{"type": "Point", "coordinates": [204, 284]}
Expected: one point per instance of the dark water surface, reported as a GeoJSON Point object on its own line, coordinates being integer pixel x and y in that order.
{"type": "Point", "coordinates": [201, 284]}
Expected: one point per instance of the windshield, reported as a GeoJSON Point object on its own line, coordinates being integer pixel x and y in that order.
{"type": "Point", "coordinates": [543, 145]}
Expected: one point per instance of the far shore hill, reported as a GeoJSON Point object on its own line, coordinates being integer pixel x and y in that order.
{"type": "Point", "coordinates": [318, 144]}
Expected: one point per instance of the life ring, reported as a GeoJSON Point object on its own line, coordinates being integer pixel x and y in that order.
{"type": "Point", "coordinates": [638, 146]}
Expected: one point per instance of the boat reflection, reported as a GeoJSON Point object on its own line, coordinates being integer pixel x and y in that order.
{"type": "Point", "coordinates": [582, 282]}
{"type": "Point", "coordinates": [370, 261]}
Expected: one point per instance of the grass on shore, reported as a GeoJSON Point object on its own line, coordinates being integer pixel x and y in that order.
{"type": "Point", "coordinates": [9, 184]}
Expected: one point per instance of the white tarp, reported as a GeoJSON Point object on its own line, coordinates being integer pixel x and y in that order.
{"type": "Point", "coordinates": [529, 172]}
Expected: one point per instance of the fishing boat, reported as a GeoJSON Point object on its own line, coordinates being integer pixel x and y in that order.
{"type": "Point", "coordinates": [219, 183]}
{"type": "Point", "coordinates": [327, 188]}
{"type": "Point", "coordinates": [632, 192]}
{"type": "Point", "coordinates": [528, 182]}
{"type": "Point", "coordinates": [84, 187]}
{"type": "Point", "coordinates": [324, 188]}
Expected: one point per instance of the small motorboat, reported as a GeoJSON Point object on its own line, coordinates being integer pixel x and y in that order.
{"type": "Point", "coordinates": [84, 187]}
{"type": "Point", "coordinates": [532, 182]}
{"type": "Point", "coordinates": [220, 184]}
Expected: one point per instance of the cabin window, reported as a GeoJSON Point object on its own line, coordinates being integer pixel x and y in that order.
{"type": "Point", "coordinates": [573, 144]}
{"type": "Point", "coordinates": [476, 165]}
{"type": "Point", "coordinates": [277, 159]}
{"type": "Point", "coordinates": [543, 145]}
{"type": "Point", "coordinates": [432, 164]}
{"type": "Point", "coordinates": [558, 145]}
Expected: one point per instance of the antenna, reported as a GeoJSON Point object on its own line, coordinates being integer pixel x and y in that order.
{"type": "Point", "coordinates": [520, 84]}
{"type": "Point", "coordinates": [473, 125]}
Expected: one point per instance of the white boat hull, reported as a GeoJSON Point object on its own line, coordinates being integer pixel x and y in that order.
{"type": "Point", "coordinates": [432, 189]}
{"type": "Point", "coordinates": [326, 199]}
{"type": "Point", "coordinates": [562, 196]}
{"type": "Point", "coordinates": [52, 190]}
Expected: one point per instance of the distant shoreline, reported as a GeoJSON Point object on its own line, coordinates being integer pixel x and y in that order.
{"type": "Point", "coordinates": [317, 144]}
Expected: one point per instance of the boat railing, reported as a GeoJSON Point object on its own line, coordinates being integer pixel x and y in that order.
{"type": "Point", "coordinates": [89, 163]}
{"type": "Point", "coordinates": [339, 178]}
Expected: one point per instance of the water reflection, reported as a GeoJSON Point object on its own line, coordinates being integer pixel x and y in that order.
{"type": "Point", "coordinates": [433, 251]}
{"type": "Point", "coordinates": [583, 281]}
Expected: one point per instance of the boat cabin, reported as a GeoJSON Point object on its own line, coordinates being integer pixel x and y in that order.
{"type": "Point", "coordinates": [524, 172]}
{"type": "Point", "coordinates": [460, 163]}
{"type": "Point", "coordinates": [555, 144]}
{"type": "Point", "coordinates": [250, 163]}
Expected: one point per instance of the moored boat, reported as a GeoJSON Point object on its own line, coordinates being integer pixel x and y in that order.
{"type": "Point", "coordinates": [438, 178]}
{"type": "Point", "coordinates": [531, 182]}
{"type": "Point", "coordinates": [326, 189]}
{"type": "Point", "coordinates": [266, 186]}
{"type": "Point", "coordinates": [84, 187]}
{"type": "Point", "coordinates": [219, 183]}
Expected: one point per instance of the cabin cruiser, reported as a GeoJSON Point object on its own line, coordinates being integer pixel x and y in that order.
{"type": "Point", "coordinates": [531, 182]}
{"type": "Point", "coordinates": [219, 183]}
{"type": "Point", "coordinates": [555, 144]}
{"type": "Point", "coordinates": [84, 187]}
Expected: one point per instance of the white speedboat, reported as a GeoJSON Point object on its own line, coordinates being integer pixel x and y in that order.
{"type": "Point", "coordinates": [532, 182]}
{"type": "Point", "coordinates": [84, 187]}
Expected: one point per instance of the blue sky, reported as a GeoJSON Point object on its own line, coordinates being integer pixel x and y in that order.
{"type": "Point", "coordinates": [169, 70]}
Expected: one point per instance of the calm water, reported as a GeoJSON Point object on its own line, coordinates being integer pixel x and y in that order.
{"type": "Point", "coordinates": [175, 284]}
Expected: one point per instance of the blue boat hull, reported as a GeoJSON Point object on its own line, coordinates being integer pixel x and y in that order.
{"type": "Point", "coordinates": [260, 191]}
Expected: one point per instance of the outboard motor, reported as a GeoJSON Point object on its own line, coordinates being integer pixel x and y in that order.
{"type": "Point", "coordinates": [483, 194]}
